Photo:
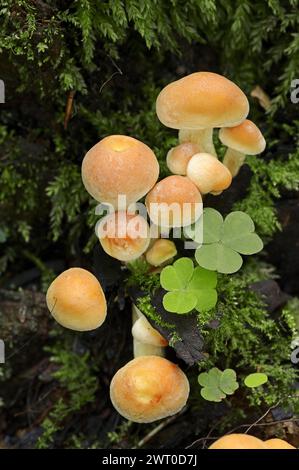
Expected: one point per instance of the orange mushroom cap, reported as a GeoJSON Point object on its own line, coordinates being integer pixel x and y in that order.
{"type": "Point", "coordinates": [76, 300]}
{"type": "Point", "coordinates": [245, 138]}
{"type": "Point", "coordinates": [149, 388]}
{"type": "Point", "coordinates": [119, 165]}
{"type": "Point", "coordinates": [201, 100]}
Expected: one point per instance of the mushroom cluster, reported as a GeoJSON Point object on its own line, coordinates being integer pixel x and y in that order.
{"type": "Point", "coordinates": [150, 387]}
{"type": "Point", "coordinates": [195, 105]}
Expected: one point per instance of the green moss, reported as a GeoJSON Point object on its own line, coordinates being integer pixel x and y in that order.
{"type": "Point", "coordinates": [145, 306]}
{"type": "Point", "coordinates": [249, 339]}
{"type": "Point", "coordinates": [266, 183]}
{"type": "Point", "coordinates": [141, 277]}
{"type": "Point", "coordinates": [78, 384]}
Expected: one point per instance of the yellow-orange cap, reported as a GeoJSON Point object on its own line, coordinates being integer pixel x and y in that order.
{"type": "Point", "coordinates": [245, 138]}
{"type": "Point", "coordinates": [278, 444]}
{"type": "Point", "coordinates": [119, 165]}
{"type": "Point", "coordinates": [161, 251]}
{"type": "Point", "coordinates": [208, 173]}
{"type": "Point", "coordinates": [124, 236]}
{"type": "Point", "coordinates": [178, 157]}
{"type": "Point", "coordinates": [238, 441]}
{"type": "Point", "coordinates": [149, 388]}
{"type": "Point", "coordinates": [174, 202]}
{"type": "Point", "coordinates": [76, 300]}
{"type": "Point", "coordinates": [201, 100]}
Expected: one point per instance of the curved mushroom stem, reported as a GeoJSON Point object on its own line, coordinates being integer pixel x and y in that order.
{"type": "Point", "coordinates": [143, 349]}
{"type": "Point", "coordinates": [233, 160]}
{"type": "Point", "coordinates": [202, 137]}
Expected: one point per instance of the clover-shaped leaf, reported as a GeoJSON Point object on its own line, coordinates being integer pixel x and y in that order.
{"type": "Point", "coordinates": [225, 240]}
{"type": "Point", "coordinates": [178, 275]}
{"type": "Point", "coordinates": [210, 383]}
{"type": "Point", "coordinates": [217, 384]}
{"type": "Point", "coordinates": [179, 301]}
{"type": "Point", "coordinates": [228, 381]}
{"type": "Point", "coordinates": [188, 288]}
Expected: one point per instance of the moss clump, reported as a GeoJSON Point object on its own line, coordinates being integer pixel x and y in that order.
{"type": "Point", "coordinates": [250, 339]}
{"type": "Point", "coordinates": [78, 385]}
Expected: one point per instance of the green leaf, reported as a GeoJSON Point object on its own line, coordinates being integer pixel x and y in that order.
{"type": "Point", "coordinates": [210, 383]}
{"type": "Point", "coordinates": [212, 394]}
{"type": "Point", "coordinates": [238, 234]}
{"type": "Point", "coordinates": [235, 223]}
{"type": "Point", "coordinates": [217, 384]}
{"type": "Point", "coordinates": [203, 285]}
{"type": "Point", "coordinates": [188, 288]}
{"type": "Point", "coordinates": [206, 299]}
{"type": "Point", "coordinates": [228, 381]}
{"type": "Point", "coordinates": [203, 278]}
{"type": "Point", "coordinates": [223, 241]}
{"type": "Point", "coordinates": [169, 279]}
{"type": "Point", "coordinates": [178, 275]}
{"type": "Point", "coordinates": [212, 225]}
{"type": "Point", "coordinates": [184, 268]}
{"type": "Point", "coordinates": [246, 244]}
{"type": "Point", "coordinates": [179, 301]}
{"type": "Point", "coordinates": [211, 378]}
{"type": "Point", "coordinates": [255, 380]}
{"type": "Point", "coordinates": [195, 231]}
{"type": "Point", "coordinates": [218, 257]}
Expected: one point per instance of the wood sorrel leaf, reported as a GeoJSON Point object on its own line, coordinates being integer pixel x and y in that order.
{"type": "Point", "coordinates": [223, 241]}
{"type": "Point", "coordinates": [178, 275]}
{"type": "Point", "coordinates": [218, 257]}
{"type": "Point", "coordinates": [179, 301]}
{"type": "Point", "coordinates": [228, 381]}
{"type": "Point", "coordinates": [255, 380]}
{"type": "Point", "coordinates": [188, 288]}
{"type": "Point", "coordinates": [212, 225]}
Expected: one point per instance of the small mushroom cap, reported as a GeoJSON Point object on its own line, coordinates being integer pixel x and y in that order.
{"type": "Point", "coordinates": [124, 236]}
{"type": "Point", "coordinates": [149, 388]}
{"type": "Point", "coordinates": [278, 444]}
{"type": "Point", "coordinates": [238, 441]}
{"type": "Point", "coordinates": [76, 300]}
{"type": "Point", "coordinates": [201, 100]}
{"type": "Point", "coordinates": [174, 202]}
{"type": "Point", "coordinates": [143, 331]}
{"type": "Point", "coordinates": [119, 165]}
{"type": "Point", "coordinates": [178, 157]}
{"type": "Point", "coordinates": [208, 173]}
{"type": "Point", "coordinates": [161, 251]}
{"type": "Point", "coordinates": [245, 138]}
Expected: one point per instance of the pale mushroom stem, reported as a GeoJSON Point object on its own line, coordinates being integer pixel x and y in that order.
{"type": "Point", "coordinates": [202, 137]}
{"type": "Point", "coordinates": [142, 349]}
{"type": "Point", "coordinates": [233, 160]}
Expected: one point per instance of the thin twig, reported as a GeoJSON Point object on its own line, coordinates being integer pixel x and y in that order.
{"type": "Point", "coordinates": [157, 429]}
{"type": "Point", "coordinates": [118, 72]}
{"type": "Point", "coordinates": [262, 417]}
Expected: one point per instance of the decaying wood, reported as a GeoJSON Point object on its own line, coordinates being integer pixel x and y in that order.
{"type": "Point", "coordinates": [21, 313]}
